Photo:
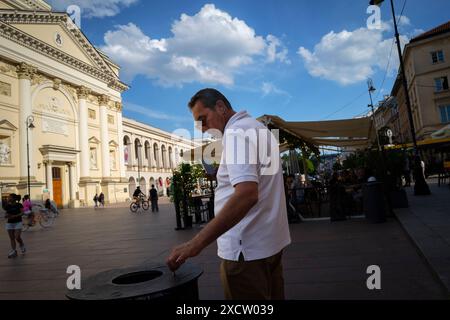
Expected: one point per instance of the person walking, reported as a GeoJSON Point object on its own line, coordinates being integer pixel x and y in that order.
{"type": "Point", "coordinates": [250, 224]}
{"type": "Point", "coordinates": [101, 199]}
{"type": "Point", "coordinates": [14, 211]}
{"type": "Point", "coordinates": [96, 200]}
{"type": "Point", "coordinates": [154, 198]}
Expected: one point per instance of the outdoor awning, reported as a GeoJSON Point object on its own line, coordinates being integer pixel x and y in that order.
{"type": "Point", "coordinates": [442, 134]}
{"type": "Point", "coordinates": [348, 133]}
{"type": "Point", "coordinates": [351, 133]}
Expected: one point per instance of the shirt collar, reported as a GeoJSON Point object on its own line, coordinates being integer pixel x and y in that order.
{"type": "Point", "coordinates": [237, 116]}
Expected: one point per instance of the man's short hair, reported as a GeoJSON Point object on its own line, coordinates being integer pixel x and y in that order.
{"type": "Point", "coordinates": [209, 98]}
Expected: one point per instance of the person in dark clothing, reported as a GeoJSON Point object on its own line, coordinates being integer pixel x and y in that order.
{"type": "Point", "coordinates": [101, 199]}
{"type": "Point", "coordinates": [138, 194]}
{"type": "Point", "coordinates": [154, 198]}
{"type": "Point", "coordinates": [96, 200]}
{"type": "Point", "coordinates": [337, 195]}
{"type": "Point", "coordinates": [14, 211]}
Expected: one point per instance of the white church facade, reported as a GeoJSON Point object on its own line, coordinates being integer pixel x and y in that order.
{"type": "Point", "coordinates": [61, 112]}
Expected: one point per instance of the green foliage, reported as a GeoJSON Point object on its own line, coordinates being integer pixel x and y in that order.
{"type": "Point", "coordinates": [296, 143]}
{"type": "Point", "coordinates": [389, 160]}
{"type": "Point", "coordinates": [184, 182]}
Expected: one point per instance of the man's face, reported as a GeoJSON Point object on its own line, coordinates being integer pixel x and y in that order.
{"type": "Point", "coordinates": [210, 119]}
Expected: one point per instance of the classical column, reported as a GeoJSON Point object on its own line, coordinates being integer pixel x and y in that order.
{"type": "Point", "coordinates": [72, 180]}
{"type": "Point", "coordinates": [83, 94]}
{"type": "Point", "coordinates": [150, 155]}
{"type": "Point", "coordinates": [25, 72]}
{"type": "Point", "coordinates": [121, 146]}
{"type": "Point", "coordinates": [104, 136]}
{"type": "Point", "coordinates": [49, 178]}
{"type": "Point", "coordinates": [160, 162]}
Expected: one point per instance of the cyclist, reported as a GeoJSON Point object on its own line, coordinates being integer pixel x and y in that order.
{"type": "Point", "coordinates": [50, 206]}
{"type": "Point", "coordinates": [14, 224]}
{"type": "Point", "coordinates": [137, 194]}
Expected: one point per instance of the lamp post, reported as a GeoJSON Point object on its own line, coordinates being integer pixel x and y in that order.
{"type": "Point", "coordinates": [403, 73]}
{"type": "Point", "coordinates": [421, 186]}
{"type": "Point", "coordinates": [372, 89]}
{"type": "Point", "coordinates": [30, 125]}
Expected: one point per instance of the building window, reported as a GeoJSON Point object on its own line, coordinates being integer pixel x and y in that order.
{"type": "Point", "coordinates": [437, 56]}
{"type": "Point", "coordinates": [445, 113]}
{"type": "Point", "coordinates": [441, 84]}
{"type": "Point", "coordinates": [91, 114]}
{"type": "Point", "coordinates": [110, 119]}
{"type": "Point", "coordinates": [5, 150]}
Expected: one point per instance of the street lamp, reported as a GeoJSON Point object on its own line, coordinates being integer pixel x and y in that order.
{"type": "Point", "coordinates": [421, 186]}
{"type": "Point", "coordinates": [402, 70]}
{"type": "Point", "coordinates": [30, 125]}
{"type": "Point", "coordinates": [371, 90]}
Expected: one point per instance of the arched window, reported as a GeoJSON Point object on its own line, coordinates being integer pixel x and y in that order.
{"type": "Point", "coordinates": [126, 149]}
{"type": "Point", "coordinates": [147, 149]}
{"type": "Point", "coordinates": [137, 146]}
{"type": "Point", "coordinates": [155, 155]}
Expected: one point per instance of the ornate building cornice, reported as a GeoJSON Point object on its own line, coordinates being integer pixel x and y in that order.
{"type": "Point", "coordinates": [25, 71]}
{"type": "Point", "coordinates": [100, 71]}
{"type": "Point", "coordinates": [103, 100]}
{"type": "Point", "coordinates": [83, 92]}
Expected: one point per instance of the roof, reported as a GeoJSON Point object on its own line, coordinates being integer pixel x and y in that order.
{"type": "Point", "coordinates": [443, 28]}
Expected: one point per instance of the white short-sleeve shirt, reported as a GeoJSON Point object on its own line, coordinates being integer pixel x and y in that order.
{"type": "Point", "coordinates": [264, 231]}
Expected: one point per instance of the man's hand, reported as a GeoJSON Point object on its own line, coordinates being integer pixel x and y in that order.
{"type": "Point", "coordinates": [181, 253]}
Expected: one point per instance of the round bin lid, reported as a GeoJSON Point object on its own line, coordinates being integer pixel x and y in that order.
{"type": "Point", "coordinates": [145, 280]}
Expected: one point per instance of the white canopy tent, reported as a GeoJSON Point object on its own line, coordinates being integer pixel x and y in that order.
{"type": "Point", "coordinates": [355, 133]}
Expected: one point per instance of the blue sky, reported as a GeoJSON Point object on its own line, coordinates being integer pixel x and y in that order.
{"type": "Point", "coordinates": [301, 60]}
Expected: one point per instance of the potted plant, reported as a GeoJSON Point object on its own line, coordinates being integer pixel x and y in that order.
{"type": "Point", "coordinates": [184, 183]}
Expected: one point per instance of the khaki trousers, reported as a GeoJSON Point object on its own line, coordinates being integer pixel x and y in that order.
{"type": "Point", "coordinates": [253, 280]}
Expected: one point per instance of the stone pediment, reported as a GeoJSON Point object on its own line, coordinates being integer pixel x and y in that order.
{"type": "Point", "coordinates": [55, 35]}
{"type": "Point", "coordinates": [5, 124]}
{"type": "Point", "coordinates": [112, 143]}
{"type": "Point", "coordinates": [94, 140]}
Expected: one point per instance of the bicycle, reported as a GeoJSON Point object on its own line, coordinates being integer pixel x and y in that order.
{"type": "Point", "coordinates": [138, 204]}
{"type": "Point", "coordinates": [43, 216]}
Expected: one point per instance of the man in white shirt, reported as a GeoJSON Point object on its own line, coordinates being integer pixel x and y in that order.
{"type": "Point", "coordinates": [251, 226]}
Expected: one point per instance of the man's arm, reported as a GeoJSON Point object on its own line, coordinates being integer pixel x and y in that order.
{"type": "Point", "coordinates": [235, 209]}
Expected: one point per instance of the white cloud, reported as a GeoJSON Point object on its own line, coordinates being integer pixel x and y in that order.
{"type": "Point", "coordinates": [403, 21]}
{"type": "Point", "coordinates": [349, 57]}
{"type": "Point", "coordinates": [272, 50]}
{"type": "Point", "coordinates": [268, 88]}
{"type": "Point", "coordinates": [208, 47]}
{"type": "Point", "coordinates": [93, 8]}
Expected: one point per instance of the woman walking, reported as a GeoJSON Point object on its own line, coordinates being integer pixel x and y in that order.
{"type": "Point", "coordinates": [14, 224]}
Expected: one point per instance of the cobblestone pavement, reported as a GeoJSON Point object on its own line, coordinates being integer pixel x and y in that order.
{"type": "Point", "coordinates": [325, 260]}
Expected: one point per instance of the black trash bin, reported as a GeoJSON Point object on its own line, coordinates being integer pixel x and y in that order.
{"type": "Point", "coordinates": [146, 282]}
{"type": "Point", "coordinates": [374, 204]}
